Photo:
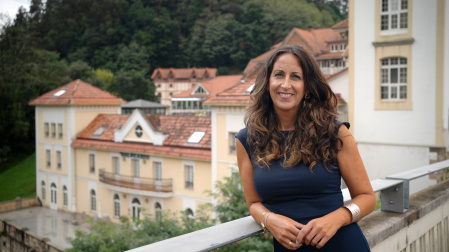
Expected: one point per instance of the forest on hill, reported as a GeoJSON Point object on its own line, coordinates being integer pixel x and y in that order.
{"type": "Point", "coordinates": [116, 44]}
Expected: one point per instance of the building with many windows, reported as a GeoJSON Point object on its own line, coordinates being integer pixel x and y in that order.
{"type": "Point", "coordinates": [92, 159]}
{"type": "Point", "coordinates": [399, 82]}
{"type": "Point", "coordinates": [190, 102]}
{"type": "Point", "coordinates": [172, 81]}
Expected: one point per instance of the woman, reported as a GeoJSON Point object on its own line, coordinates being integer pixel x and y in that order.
{"type": "Point", "coordinates": [292, 155]}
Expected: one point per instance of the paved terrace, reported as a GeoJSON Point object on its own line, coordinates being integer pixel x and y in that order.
{"type": "Point", "coordinates": [45, 222]}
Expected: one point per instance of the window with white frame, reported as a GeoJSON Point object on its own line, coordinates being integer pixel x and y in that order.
{"type": "Point", "coordinates": [116, 206]}
{"type": "Point", "coordinates": [135, 207]}
{"type": "Point", "coordinates": [189, 176]}
{"type": "Point", "coordinates": [136, 168]}
{"type": "Point", "coordinates": [116, 165]}
{"type": "Point", "coordinates": [60, 130]}
{"type": "Point", "coordinates": [47, 129]}
{"type": "Point", "coordinates": [65, 198]}
{"type": "Point", "coordinates": [59, 158]}
{"type": "Point", "coordinates": [393, 79]}
{"type": "Point", "coordinates": [232, 143]}
{"type": "Point", "coordinates": [53, 193]}
{"type": "Point", "coordinates": [157, 171]}
{"type": "Point", "coordinates": [92, 162]}
{"type": "Point", "coordinates": [48, 154]}
{"type": "Point", "coordinates": [334, 47]}
{"type": "Point", "coordinates": [342, 47]}
{"type": "Point", "coordinates": [43, 191]}
{"type": "Point", "coordinates": [394, 15]}
{"type": "Point", "coordinates": [93, 200]}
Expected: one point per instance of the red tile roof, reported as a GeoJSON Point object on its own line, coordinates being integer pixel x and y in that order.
{"type": "Point", "coordinates": [235, 95]}
{"type": "Point", "coordinates": [238, 95]}
{"type": "Point", "coordinates": [184, 73]}
{"type": "Point", "coordinates": [178, 128]}
{"type": "Point", "coordinates": [315, 41]}
{"type": "Point", "coordinates": [77, 92]}
{"type": "Point", "coordinates": [329, 77]}
{"type": "Point", "coordinates": [341, 24]}
{"type": "Point", "coordinates": [340, 99]}
{"type": "Point", "coordinates": [212, 86]}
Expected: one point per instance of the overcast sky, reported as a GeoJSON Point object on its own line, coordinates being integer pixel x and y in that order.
{"type": "Point", "coordinates": [10, 7]}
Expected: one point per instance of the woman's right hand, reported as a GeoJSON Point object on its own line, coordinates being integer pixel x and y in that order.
{"type": "Point", "coordinates": [284, 230]}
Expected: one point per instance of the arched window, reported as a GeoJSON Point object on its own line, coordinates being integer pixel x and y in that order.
{"type": "Point", "coordinates": [65, 196]}
{"type": "Point", "coordinates": [43, 190]}
{"type": "Point", "coordinates": [116, 206]}
{"type": "Point", "coordinates": [135, 208]}
{"type": "Point", "coordinates": [53, 193]}
{"type": "Point", "coordinates": [158, 211]}
{"type": "Point", "coordinates": [93, 200]}
{"type": "Point", "coordinates": [190, 213]}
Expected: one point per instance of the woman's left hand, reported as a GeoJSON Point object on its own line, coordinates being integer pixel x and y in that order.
{"type": "Point", "coordinates": [319, 231]}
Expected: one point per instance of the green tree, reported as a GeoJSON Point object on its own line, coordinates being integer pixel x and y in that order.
{"type": "Point", "coordinates": [81, 70]}
{"type": "Point", "coordinates": [26, 71]}
{"type": "Point", "coordinates": [106, 76]}
{"type": "Point", "coordinates": [231, 206]}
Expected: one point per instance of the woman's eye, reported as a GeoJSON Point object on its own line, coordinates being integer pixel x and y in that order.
{"type": "Point", "coordinates": [277, 74]}
{"type": "Point", "coordinates": [297, 77]}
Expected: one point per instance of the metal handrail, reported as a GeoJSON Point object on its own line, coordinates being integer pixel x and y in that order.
{"type": "Point", "coordinates": [393, 199]}
{"type": "Point", "coordinates": [139, 183]}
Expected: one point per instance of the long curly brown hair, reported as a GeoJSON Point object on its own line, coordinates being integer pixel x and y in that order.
{"type": "Point", "coordinates": [315, 134]}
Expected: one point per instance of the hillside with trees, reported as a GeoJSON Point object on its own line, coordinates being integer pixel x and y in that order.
{"type": "Point", "coordinates": [116, 44]}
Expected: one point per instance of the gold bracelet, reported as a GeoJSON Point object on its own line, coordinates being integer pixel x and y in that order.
{"type": "Point", "coordinates": [261, 219]}
{"type": "Point", "coordinates": [262, 222]}
{"type": "Point", "coordinates": [264, 228]}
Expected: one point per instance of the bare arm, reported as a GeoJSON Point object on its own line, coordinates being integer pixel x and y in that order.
{"type": "Point", "coordinates": [318, 231]}
{"type": "Point", "coordinates": [283, 229]}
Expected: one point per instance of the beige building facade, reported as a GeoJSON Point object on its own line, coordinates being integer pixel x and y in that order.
{"type": "Point", "coordinates": [91, 159]}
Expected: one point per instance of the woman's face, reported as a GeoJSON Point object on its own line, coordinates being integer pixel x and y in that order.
{"type": "Point", "coordinates": [286, 84]}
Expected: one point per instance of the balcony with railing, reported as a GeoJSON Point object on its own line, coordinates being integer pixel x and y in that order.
{"type": "Point", "coordinates": [138, 183]}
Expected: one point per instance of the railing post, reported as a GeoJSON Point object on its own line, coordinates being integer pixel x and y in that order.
{"type": "Point", "coordinates": [395, 198]}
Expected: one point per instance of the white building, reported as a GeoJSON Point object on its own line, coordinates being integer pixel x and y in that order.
{"type": "Point", "coordinates": [399, 82]}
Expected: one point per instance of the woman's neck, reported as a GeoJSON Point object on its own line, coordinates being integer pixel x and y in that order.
{"type": "Point", "coordinates": [286, 120]}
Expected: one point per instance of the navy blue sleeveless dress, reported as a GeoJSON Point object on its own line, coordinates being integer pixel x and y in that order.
{"type": "Point", "coordinates": [302, 196]}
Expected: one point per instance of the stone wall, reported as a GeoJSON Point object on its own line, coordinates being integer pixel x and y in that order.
{"type": "Point", "coordinates": [424, 227]}
{"type": "Point", "coordinates": [19, 203]}
{"type": "Point", "coordinates": [16, 239]}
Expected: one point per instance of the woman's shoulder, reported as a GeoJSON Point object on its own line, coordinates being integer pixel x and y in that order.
{"type": "Point", "coordinates": [339, 123]}
{"type": "Point", "coordinates": [242, 133]}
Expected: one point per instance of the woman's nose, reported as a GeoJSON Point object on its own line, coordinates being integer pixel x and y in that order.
{"type": "Point", "coordinates": [286, 83]}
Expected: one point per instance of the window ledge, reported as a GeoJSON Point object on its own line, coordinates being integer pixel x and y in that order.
{"type": "Point", "coordinates": [394, 105]}
{"type": "Point", "coordinates": [393, 42]}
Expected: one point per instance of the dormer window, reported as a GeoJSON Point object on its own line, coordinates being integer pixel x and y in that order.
{"type": "Point", "coordinates": [200, 90]}
{"type": "Point", "coordinates": [196, 137]}
{"type": "Point", "coordinates": [334, 47]}
{"type": "Point", "coordinates": [100, 131]}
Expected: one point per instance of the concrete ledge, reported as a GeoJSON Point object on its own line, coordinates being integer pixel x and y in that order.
{"type": "Point", "coordinates": [378, 226]}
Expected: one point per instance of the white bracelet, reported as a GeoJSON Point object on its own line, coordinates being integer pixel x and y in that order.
{"type": "Point", "coordinates": [266, 217]}
{"type": "Point", "coordinates": [355, 211]}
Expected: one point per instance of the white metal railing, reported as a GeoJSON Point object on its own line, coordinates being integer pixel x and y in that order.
{"type": "Point", "coordinates": [394, 191]}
